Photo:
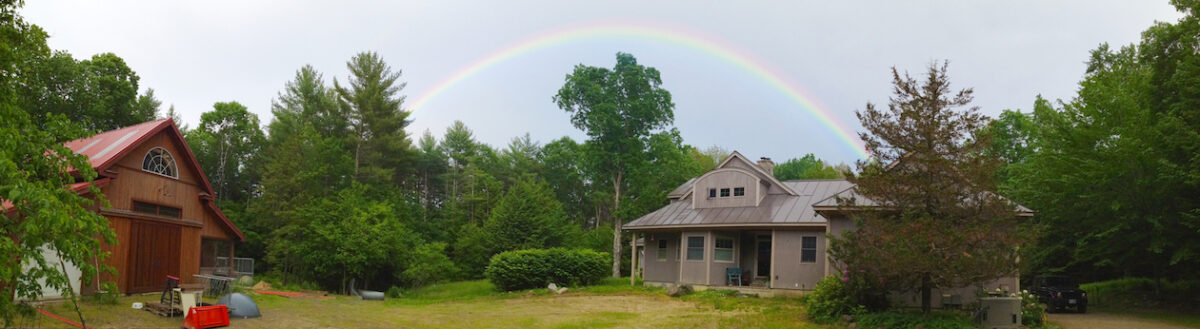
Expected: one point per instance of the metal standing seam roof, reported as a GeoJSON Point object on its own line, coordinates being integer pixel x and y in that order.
{"type": "Point", "coordinates": [861, 201]}
{"type": "Point", "coordinates": [106, 148]}
{"type": "Point", "coordinates": [775, 209]}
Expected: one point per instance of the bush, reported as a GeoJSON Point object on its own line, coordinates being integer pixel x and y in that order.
{"type": "Point", "coordinates": [429, 265]}
{"type": "Point", "coordinates": [395, 292]}
{"type": "Point", "coordinates": [909, 320]}
{"type": "Point", "coordinates": [536, 268]}
{"type": "Point", "coordinates": [1144, 293]}
{"type": "Point", "coordinates": [1033, 312]}
{"type": "Point", "coordinates": [830, 299]}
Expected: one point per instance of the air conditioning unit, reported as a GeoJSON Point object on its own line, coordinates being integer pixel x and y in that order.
{"type": "Point", "coordinates": [1000, 312]}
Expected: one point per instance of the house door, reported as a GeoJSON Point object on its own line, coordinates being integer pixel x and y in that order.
{"type": "Point", "coordinates": [763, 245]}
{"type": "Point", "coordinates": [153, 255]}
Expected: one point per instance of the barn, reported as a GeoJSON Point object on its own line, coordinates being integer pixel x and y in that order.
{"type": "Point", "coordinates": [161, 207]}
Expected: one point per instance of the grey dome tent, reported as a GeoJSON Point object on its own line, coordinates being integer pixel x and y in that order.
{"type": "Point", "coordinates": [240, 306]}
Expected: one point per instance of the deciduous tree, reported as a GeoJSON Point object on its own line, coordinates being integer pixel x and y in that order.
{"type": "Point", "coordinates": [618, 109]}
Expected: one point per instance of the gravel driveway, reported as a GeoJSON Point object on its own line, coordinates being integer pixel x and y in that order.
{"type": "Point", "coordinates": [1107, 321]}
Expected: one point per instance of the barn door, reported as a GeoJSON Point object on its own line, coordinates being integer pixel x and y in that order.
{"type": "Point", "coordinates": [153, 255]}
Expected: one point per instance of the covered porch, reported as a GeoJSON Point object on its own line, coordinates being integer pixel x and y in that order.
{"type": "Point", "coordinates": [747, 258]}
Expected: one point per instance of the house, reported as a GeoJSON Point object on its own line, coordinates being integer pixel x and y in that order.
{"type": "Point", "coordinates": [738, 216]}
{"type": "Point", "coordinates": [161, 207]}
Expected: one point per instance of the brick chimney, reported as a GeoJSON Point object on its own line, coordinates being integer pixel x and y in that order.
{"type": "Point", "coordinates": [767, 165]}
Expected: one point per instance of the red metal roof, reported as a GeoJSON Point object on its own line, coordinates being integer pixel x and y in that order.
{"type": "Point", "coordinates": [105, 149]}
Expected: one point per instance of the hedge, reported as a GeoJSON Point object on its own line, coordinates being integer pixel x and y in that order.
{"type": "Point", "coordinates": [537, 268]}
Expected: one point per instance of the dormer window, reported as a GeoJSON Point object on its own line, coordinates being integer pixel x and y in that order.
{"type": "Point", "coordinates": [712, 192]}
{"type": "Point", "coordinates": [725, 192]}
{"type": "Point", "coordinates": [739, 191]}
{"type": "Point", "coordinates": [159, 161]}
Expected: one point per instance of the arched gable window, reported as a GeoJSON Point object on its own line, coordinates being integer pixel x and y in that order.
{"type": "Point", "coordinates": [159, 161]}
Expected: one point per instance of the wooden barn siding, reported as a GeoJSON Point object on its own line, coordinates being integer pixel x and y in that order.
{"type": "Point", "coordinates": [131, 183]}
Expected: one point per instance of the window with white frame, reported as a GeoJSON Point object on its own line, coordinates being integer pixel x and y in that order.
{"type": "Point", "coordinates": [723, 250]}
{"type": "Point", "coordinates": [662, 250]}
{"type": "Point", "coordinates": [159, 161]}
{"type": "Point", "coordinates": [808, 249]}
{"type": "Point", "coordinates": [725, 192]}
{"type": "Point", "coordinates": [739, 191]}
{"type": "Point", "coordinates": [695, 248]}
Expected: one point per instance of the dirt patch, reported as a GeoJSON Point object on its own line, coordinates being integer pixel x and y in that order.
{"type": "Point", "coordinates": [1107, 321]}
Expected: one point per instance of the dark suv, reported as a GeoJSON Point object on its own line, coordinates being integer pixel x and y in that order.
{"type": "Point", "coordinates": [1058, 292]}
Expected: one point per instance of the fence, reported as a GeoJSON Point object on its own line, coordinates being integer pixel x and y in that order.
{"type": "Point", "coordinates": [241, 266]}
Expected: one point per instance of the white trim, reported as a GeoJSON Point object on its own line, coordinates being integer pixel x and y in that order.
{"type": "Point", "coordinates": [174, 164]}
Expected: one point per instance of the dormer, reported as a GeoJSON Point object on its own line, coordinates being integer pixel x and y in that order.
{"type": "Point", "coordinates": [736, 182]}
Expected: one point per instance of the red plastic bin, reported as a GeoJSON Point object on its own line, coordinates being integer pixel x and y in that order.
{"type": "Point", "coordinates": [201, 317]}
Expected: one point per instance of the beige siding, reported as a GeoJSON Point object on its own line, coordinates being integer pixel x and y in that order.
{"type": "Point", "coordinates": [695, 271]}
{"type": "Point", "coordinates": [790, 273]}
{"type": "Point", "coordinates": [726, 178]}
{"type": "Point", "coordinates": [716, 274]}
{"type": "Point", "coordinates": [666, 270]}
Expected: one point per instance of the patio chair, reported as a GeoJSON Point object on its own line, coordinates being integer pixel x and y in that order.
{"type": "Point", "coordinates": [733, 275]}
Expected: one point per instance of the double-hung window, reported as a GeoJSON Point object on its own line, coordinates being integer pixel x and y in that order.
{"type": "Point", "coordinates": [695, 248]}
{"type": "Point", "coordinates": [723, 250]}
{"type": "Point", "coordinates": [662, 250]}
{"type": "Point", "coordinates": [808, 249]}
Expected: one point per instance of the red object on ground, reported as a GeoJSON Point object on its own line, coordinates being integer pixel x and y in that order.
{"type": "Point", "coordinates": [64, 320]}
{"type": "Point", "coordinates": [202, 317]}
{"type": "Point", "coordinates": [281, 293]}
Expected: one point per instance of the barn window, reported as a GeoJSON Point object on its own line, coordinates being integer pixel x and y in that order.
{"type": "Point", "coordinates": [712, 192]}
{"type": "Point", "coordinates": [808, 249]}
{"type": "Point", "coordinates": [159, 161]}
{"type": "Point", "coordinates": [214, 253]}
{"type": "Point", "coordinates": [153, 209]}
{"type": "Point", "coordinates": [739, 191]}
{"type": "Point", "coordinates": [725, 192]}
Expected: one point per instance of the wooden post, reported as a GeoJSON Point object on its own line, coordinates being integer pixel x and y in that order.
{"type": "Point", "coordinates": [231, 274]}
{"type": "Point", "coordinates": [633, 265]}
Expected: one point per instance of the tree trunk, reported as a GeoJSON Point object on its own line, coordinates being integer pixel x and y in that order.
{"type": "Point", "coordinates": [926, 294]}
{"type": "Point", "coordinates": [616, 266]}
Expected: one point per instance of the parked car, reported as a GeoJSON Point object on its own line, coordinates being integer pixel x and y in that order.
{"type": "Point", "coordinates": [1059, 292]}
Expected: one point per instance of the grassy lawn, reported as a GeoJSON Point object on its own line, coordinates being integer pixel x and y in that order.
{"type": "Point", "coordinates": [1190, 320]}
{"type": "Point", "coordinates": [476, 304]}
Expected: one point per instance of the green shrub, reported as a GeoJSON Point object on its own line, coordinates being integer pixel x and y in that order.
{"type": "Point", "coordinates": [1144, 293]}
{"type": "Point", "coordinates": [1033, 312]}
{"type": "Point", "coordinates": [536, 268]}
{"type": "Point", "coordinates": [909, 320]}
{"type": "Point", "coordinates": [429, 265]}
{"type": "Point", "coordinates": [395, 292]}
{"type": "Point", "coordinates": [830, 299]}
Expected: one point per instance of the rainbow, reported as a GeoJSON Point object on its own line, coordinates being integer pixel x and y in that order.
{"type": "Point", "coordinates": [675, 36]}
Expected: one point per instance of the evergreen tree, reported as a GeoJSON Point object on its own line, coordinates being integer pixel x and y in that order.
{"type": "Point", "coordinates": [372, 102]}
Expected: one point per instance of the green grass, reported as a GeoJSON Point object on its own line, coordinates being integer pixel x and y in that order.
{"type": "Point", "coordinates": [611, 303]}
{"type": "Point", "coordinates": [1177, 301]}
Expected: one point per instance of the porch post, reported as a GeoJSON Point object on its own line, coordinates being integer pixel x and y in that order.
{"type": "Point", "coordinates": [633, 255]}
{"type": "Point", "coordinates": [231, 274]}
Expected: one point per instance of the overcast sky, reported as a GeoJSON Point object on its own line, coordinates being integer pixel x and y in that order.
{"type": "Point", "coordinates": [195, 53]}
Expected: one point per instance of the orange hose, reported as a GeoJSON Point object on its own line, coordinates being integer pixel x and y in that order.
{"type": "Point", "coordinates": [64, 320]}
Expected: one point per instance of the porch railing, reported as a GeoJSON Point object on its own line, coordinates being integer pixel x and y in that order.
{"type": "Point", "coordinates": [241, 266]}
